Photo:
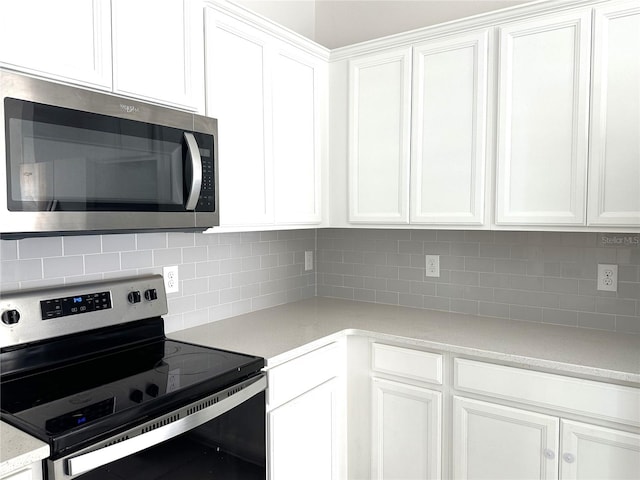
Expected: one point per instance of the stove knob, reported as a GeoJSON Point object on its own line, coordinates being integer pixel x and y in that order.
{"type": "Point", "coordinates": [151, 294]}
{"type": "Point", "coordinates": [134, 297]}
{"type": "Point", "coordinates": [136, 396]}
{"type": "Point", "coordinates": [10, 317]}
{"type": "Point", "coordinates": [153, 390]}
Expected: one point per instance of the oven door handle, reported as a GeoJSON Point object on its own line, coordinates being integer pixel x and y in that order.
{"type": "Point", "coordinates": [97, 458]}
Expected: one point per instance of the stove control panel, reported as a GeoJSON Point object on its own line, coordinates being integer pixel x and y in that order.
{"type": "Point", "coordinates": [61, 307]}
{"type": "Point", "coordinates": [32, 315]}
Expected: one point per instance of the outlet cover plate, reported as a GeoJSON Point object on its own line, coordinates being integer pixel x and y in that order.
{"type": "Point", "coordinates": [432, 266]}
{"type": "Point", "coordinates": [607, 277]}
{"type": "Point", "coordinates": [171, 280]}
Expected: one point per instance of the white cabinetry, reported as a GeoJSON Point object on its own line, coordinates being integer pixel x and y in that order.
{"type": "Point", "coordinates": [543, 98]}
{"type": "Point", "coordinates": [68, 40]}
{"type": "Point", "coordinates": [614, 164]}
{"type": "Point", "coordinates": [158, 51]}
{"type": "Point", "coordinates": [30, 472]}
{"type": "Point", "coordinates": [237, 95]}
{"type": "Point", "coordinates": [590, 452]}
{"type": "Point", "coordinates": [298, 95]}
{"type": "Point", "coordinates": [304, 435]}
{"type": "Point", "coordinates": [305, 417]}
{"type": "Point", "coordinates": [449, 116]}
{"type": "Point", "coordinates": [268, 96]}
{"type": "Point", "coordinates": [417, 153]}
{"type": "Point", "coordinates": [379, 135]}
{"type": "Point", "coordinates": [498, 442]}
{"type": "Point", "coordinates": [406, 425]}
{"type": "Point", "coordinates": [406, 431]}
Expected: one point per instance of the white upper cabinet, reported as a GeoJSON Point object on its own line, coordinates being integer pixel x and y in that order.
{"type": "Point", "coordinates": [379, 136]}
{"type": "Point", "coordinates": [158, 51]}
{"type": "Point", "coordinates": [614, 168]}
{"type": "Point", "coordinates": [297, 113]}
{"type": "Point", "coordinates": [238, 89]}
{"type": "Point", "coordinates": [543, 96]}
{"type": "Point", "coordinates": [449, 116]}
{"type": "Point", "coordinates": [268, 96]}
{"type": "Point", "coordinates": [69, 40]}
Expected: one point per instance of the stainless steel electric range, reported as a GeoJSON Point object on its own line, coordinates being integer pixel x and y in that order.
{"type": "Point", "coordinates": [87, 368]}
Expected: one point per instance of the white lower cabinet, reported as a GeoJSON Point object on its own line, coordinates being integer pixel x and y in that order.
{"type": "Point", "coordinates": [593, 452]}
{"type": "Point", "coordinates": [304, 436]}
{"type": "Point", "coordinates": [32, 472]}
{"type": "Point", "coordinates": [366, 410]}
{"type": "Point", "coordinates": [406, 431]}
{"type": "Point", "coordinates": [305, 417]}
{"type": "Point", "coordinates": [496, 442]}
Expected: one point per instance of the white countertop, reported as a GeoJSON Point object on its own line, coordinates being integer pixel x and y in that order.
{"type": "Point", "coordinates": [284, 332]}
{"type": "Point", "coordinates": [17, 449]}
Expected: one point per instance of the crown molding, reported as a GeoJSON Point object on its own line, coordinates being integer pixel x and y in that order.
{"type": "Point", "coordinates": [269, 26]}
{"type": "Point", "coordinates": [485, 20]}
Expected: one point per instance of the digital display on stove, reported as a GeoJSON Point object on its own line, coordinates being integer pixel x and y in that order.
{"type": "Point", "coordinates": [81, 416]}
{"type": "Point", "coordinates": [62, 307]}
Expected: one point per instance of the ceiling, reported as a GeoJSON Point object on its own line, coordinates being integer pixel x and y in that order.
{"type": "Point", "coordinates": [344, 22]}
{"type": "Point", "coordinates": [337, 23]}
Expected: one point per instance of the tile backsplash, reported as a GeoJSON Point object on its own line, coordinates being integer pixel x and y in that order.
{"type": "Point", "coordinates": [534, 276]}
{"type": "Point", "coordinates": [221, 274]}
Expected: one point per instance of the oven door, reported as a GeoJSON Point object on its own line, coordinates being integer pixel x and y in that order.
{"type": "Point", "coordinates": [221, 437]}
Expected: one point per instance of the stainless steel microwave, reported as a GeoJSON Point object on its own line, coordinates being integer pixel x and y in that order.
{"type": "Point", "coordinates": [77, 161]}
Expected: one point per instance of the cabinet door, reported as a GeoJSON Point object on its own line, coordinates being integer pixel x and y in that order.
{"type": "Point", "coordinates": [238, 96]}
{"type": "Point", "coordinates": [297, 79]}
{"type": "Point", "coordinates": [158, 51]}
{"type": "Point", "coordinates": [614, 165]}
{"type": "Point", "coordinates": [304, 440]}
{"type": "Point", "coordinates": [406, 431]}
{"type": "Point", "coordinates": [449, 130]}
{"type": "Point", "coordinates": [591, 452]}
{"type": "Point", "coordinates": [543, 120]}
{"type": "Point", "coordinates": [69, 40]}
{"type": "Point", "coordinates": [379, 133]}
{"type": "Point", "coordinates": [495, 442]}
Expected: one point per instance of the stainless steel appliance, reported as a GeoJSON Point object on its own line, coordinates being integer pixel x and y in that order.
{"type": "Point", "coordinates": [87, 369]}
{"type": "Point", "coordinates": [75, 161]}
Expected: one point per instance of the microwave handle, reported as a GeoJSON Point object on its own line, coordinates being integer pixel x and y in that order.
{"type": "Point", "coordinates": [194, 165]}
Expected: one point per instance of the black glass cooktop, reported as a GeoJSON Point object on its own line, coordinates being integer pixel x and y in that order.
{"type": "Point", "coordinates": [69, 402]}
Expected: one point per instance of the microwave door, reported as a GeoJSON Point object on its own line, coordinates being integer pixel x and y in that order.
{"type": "Point", "coordinates": [193, 171]}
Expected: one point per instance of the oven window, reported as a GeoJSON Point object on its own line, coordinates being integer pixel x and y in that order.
{"type": "Point", "coordinates": [66, 160]}
{"type": "Point", "coordinates": [230, 447]}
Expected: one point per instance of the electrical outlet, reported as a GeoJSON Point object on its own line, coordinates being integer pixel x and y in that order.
{"type": "Point", "coordinates": [308, 260]}
{"type": "Point", "coordinates": [432, 266]}
{"type": "Point", "coordinates": [171, 280]}
{"type": "Point", "coordinates": [607, 277]}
